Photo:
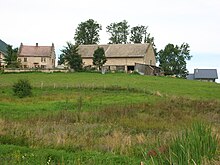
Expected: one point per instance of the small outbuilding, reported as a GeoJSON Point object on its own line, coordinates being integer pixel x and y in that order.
{"type": "Point", "coordinates": [209, 75]}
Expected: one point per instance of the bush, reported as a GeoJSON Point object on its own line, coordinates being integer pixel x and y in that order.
{"type": "Point", "coordinates": [22, 88]}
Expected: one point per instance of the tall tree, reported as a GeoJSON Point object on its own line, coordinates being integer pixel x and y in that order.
{"type": "Point", "coordinates": [11, 57]}
{"type": "Point", "coordinates": [150, 40]}
{"type": "Point", "coordinates": [119, 32]}
{"type": "Point", "coordinates": [99, 58]}
{"type": "Point", "coordinates": [137, 33]}
{"type": "Point", "coordinates": [87, 32]}
{"type": "Point", "coordinates": [173, 59]}
{"type": "Point", "coordinates": [71, 56]}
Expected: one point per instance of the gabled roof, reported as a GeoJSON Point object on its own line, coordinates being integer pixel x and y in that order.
{"type": "Point", "coordinates": [115, 50]}
{"type": "Point", "coordinates": [35, 51]}
{"type": "Point", "coordinates": [3, 47]}
{"type": "Point", "coordinates": [205, 73]}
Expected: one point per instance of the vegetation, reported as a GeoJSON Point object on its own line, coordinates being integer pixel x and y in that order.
{"type": "Point", "coordinates": [99, 58]}
{"type": "Point", "coordinates": [192, 146]}
{"type": "Point", "coordinates": [71, 57]}
{"type": "Point", "coordinates": [137, 34]}
{"type": "Point", "coordinates": [173, 59]}
{"type": "Point", "coordinates": [22, 88]}
{"type": "Point", "coordinates": [89, 118]}
{"type": "Point", "coordinates": [11, 57]}
{"type": "Point", "coordinates": [87, 32]}
{"type": "Point", "coordinates": [119, 32]}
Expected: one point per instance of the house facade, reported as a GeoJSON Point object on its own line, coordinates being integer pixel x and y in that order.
{"type": "Point", "coordinates": [120, 56]}
{"type": "Point", "coordinates": [3, 52]}
{"type": "Point", "coordinates": [37, 56]}
{"type": "Point", "coordinates": [209, 75]}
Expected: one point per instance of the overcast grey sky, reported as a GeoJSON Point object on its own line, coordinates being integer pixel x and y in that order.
{"type": "Point", "coordinates": [196, 22]}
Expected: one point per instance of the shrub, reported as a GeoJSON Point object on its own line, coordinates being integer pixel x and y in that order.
{"type": "Point", "coordinates": [22, 88]}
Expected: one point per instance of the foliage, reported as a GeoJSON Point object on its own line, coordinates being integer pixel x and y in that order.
{"type": "Point", "coordinates": [99, 58]}
{"type": "Point", "coordinates": [173, 59]}
{"type": "Point", "coordinates": [119, 32]}
{"type": "Point", "coordinates": [71, 56]}
{"type": "Point", "coordinates": [11, 57]}
{"type": "Point", "coordinates": [137, 33]}
{"type": "Point", "coordinates": [22, 88]}
{"type": "Point", "coordinates": [190, 147]}
{"type": "Point", "coordinates": [109, 120]}
{"type": "Point", "coordinates": [87, 32]}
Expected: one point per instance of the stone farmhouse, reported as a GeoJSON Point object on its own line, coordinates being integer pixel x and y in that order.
{"type": "Point", "coordinates": [37, 56]}
{"type": "Point", "coordinates": [3, 52]}
{"type": "Point", "coordinates": [120, 56]}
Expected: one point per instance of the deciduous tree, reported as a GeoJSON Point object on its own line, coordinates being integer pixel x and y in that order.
{"type": "Point", "coordinates": [99, 58]}
{"type": "Point", "coordinates": [137, 34]}
{"type": "Point", "coordinates": [173, 59]}
{"type": "Point", "coordinates": [119, 32]}
{"type": "Point", "coordinates": [87, 32]}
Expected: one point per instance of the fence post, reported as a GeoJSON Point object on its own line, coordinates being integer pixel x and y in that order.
{"type": "Point", "coordinates": [42, 84]}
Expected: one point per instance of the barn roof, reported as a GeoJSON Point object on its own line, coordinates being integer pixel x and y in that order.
{"type": "Point", "coordinates": [35, 51]}
{"type": "Point", "coordinates": [115, 50]}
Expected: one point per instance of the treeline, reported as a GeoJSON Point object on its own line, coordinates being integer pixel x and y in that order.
{"type": "Point", "coordinates": [172, 59]}
{"type": "Point", "coordinates": [88, 33]}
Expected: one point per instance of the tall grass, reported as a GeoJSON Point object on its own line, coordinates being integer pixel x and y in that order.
{"type": "Point", "coordinates": [190, 147]}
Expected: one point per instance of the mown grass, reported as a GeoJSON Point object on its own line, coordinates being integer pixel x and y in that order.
{"type": "Point", "coordinates": [89, 118]}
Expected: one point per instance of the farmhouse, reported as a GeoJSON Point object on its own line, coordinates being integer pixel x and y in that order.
{"type": "Point", "coordinates": [37, 56]}
{"type": "Point", "coordinates": [120, 56]}
{"type": "Point", "coordinates": [209, 75]}
{"type": "Point", "coordinates": [3, 52]}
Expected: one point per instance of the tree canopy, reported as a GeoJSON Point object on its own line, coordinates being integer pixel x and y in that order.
{"type": "Point", "coordinates": [71, 56]}
{"type": "Point", "coordinates": [99, 58]}
{"type": "Point", "coordinates": [119, 32]}
{"type": "Point", "coordinates": [87, 32]}
{"type": "Point", "coordinates": [11, 57]}
{"type": "Point", "coordinates": [173, 59]}
{"type": "Point", "coordinates": [137, 34]}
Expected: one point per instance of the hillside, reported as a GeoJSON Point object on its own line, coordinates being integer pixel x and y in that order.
{"type": "Point", "coordinates": [90, 118]}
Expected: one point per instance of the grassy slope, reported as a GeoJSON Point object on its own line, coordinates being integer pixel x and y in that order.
{"type": "Point", "coordinates": [151, 107]}
{"type": "Point", "coordinates": [171, 86]}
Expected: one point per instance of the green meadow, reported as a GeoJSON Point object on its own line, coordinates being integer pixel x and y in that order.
{"type": "Point", "coordinates": [115, 118]}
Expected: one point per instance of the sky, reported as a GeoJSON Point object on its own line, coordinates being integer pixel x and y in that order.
{"type": "Point", "coordinates": [195, 22]}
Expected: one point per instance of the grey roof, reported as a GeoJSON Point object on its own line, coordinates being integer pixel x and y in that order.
{"type": "Point", "coordinates": [3, 47]}
{"type": "Point", "coordinates": [205, 73]}
{"type": "Point", "coordinates": [115, 50]}
{"type": "Point", "coordinates": [190, 76]}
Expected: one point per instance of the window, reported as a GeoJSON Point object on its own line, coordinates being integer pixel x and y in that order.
{"type": "Point", "coordinates": [25, 59]}
{"type": "Point", "coordinates": [150, 62]}
{"type": "Point", "coordinates": [43, 59]}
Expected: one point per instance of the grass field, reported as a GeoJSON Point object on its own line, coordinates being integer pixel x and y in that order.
{"type": "Point", "coordinates": [90, 118]}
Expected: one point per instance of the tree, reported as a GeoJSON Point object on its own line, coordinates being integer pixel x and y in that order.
{"type": "Point", "coordinates": [87, 32]}
{"type": "Point", "coordinates": [119, 32]}
{"type": "Point", "coordinates": [137, 33]}
{"type": "Point", "coordinates": [11, 57]}
{"type": "Point", "coordinates": [71, 56]}
{"type": "Point", "coordinates": [173, 59]}
{"type": "Point", "coordinates": [99, 58]}
{"type": "Point", "coordinates": [150, 40]}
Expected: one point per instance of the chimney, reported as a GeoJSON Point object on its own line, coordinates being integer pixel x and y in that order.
{"type": "Point", "coordinates": [36, 44]}
{"type": "Point", "coordinates": [52, 44]}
